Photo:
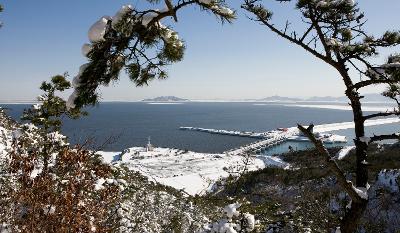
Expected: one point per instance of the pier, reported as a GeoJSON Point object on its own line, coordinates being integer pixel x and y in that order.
{"type": "Point", "coordinates": [262, 145]}
{"type": "Point", "coordinates": [268, 139]}
{"type": "Point", "coordinates": [228, 132]}
{"type": "Point", "coordinates": [271, 138]}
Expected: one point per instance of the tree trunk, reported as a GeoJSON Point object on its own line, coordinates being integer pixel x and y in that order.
{"type": "Point", "coordinates": [361, 147]}
{"type": "Point", "coordinates": [352, 217]}
{"type": "Point", "coordinates": [359, 128]}
{"type": "Point", "coordinates": [350, 221]}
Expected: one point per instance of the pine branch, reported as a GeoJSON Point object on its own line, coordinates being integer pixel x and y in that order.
{"type": "Point", "coordinates": [248, 5]}
{"type": "Point", "coordinates": [320, 34]}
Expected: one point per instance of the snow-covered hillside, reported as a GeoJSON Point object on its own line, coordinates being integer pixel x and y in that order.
{"type": "Point", "coordinates": [5, 138]}
{"type": "Point", "coordinates": [195, 173]}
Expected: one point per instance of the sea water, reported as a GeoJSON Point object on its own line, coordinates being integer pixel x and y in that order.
{"type": "Point", "coordinates": [119, 125]}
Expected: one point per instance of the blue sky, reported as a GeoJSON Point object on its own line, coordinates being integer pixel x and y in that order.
{"type": "Point", "coordinates": [232, 61]}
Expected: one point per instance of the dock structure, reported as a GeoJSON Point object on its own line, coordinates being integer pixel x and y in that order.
{"type": "Point", "coordinates": [271, 138]}
{"type": "Point", "coordinates": [248, 134]}
{"type": "Point", "coordinates": [260, 146]}
{"type": "Point", "coordinates": [268, 139]}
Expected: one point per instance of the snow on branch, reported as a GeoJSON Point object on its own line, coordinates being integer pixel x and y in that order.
{"type": "Point", "coordinates": [136, 41]}
{"type": "Point", "coordinates": [234, 222]}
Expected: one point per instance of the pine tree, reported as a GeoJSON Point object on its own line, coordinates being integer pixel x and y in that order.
{"type": "Point", "coordinates": [47, 115]}
{"type": "Point", "coordinates": [136, 41]}
{"type": "Point", "coordinates": [334, 33]}
{"type": "Point", "coordinates": [55, 187]}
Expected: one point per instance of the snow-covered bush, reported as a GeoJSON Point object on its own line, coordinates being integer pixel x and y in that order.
{"type": "Point", "coordinates": [49, 186]}
{"type": "Point", "coordinates": [232, 222]}
{"type": "Point", "coordinates": [63, 197]}
{"type": "Point", "coordinates": [150, 207]}
{"type": "Point", "coordinates": [48, 112]}
{"type": "Point", "coordinates": [6, 181]}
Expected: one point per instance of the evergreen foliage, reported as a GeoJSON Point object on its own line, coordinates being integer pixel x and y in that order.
{"type": "Point", "coordinates": [136, 41]}
{"type": "Point", "coordinates": [334, 33]}
{"type": "Point", "coordinates": [49, 186]}
{"type": "Point", "coordinates": [48, 113]}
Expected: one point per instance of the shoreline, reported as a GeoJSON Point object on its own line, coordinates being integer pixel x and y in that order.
{"type": "Point", "coordinates": [195, 173]}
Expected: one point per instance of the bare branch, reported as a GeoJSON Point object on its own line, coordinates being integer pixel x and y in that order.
{"type": "Point", "coordinates": [306, 33]}
{"type": "Point", "coordinates": [333, 166]}
{"type": "Point", "coordinates": [382, 114]}
{"type": "Point", "coordinates": [377, 138]}
{"type": "Point", "coordinates": [321, 35]}
{"type": "Point", "coordinates": [248, 6]}
{"type": "Point", "coordinates": [372, 82]}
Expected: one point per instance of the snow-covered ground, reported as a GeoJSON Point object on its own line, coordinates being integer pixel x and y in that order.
{"type": "Point", "coordinates": [325, 137]}
{"type": "Point", "coordinates": [343, 107]}
{"type": "Point", "coordinates": [5, 141]}
{"type": "Point", "coordinates": [349, 125]}
{"type": "Point", "coordinates": [195, 173]}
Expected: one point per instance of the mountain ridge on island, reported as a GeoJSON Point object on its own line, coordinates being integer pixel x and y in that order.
{"type": "Point", "coordinates": [279, 98]}
{"type": "Point", "coordinates": [165, 99]}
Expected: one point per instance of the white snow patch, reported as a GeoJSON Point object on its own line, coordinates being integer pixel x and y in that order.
{"type": "Point", "coordinates": [86, 48]}
{"type": "Point", "coordinates": [389, 178]}
{"type": "Point", "coordinates": [36, 171]}
{"type": "Point", "coordinates": [71, 100]}
{"type": "Point", "coordinates": [120, 14]}
{"type": "Point", "coordinates": [99, 184]}
{"type": "Point", "coordinates": [364, 162]}
{"type": "Point", "coordinates": [98, 30]}
{"type": "Point", "coordinates": [231, 210]}
{"type": "Point", "coordinates": [147, 18]}
{"type": "Point", "coordinates": [56, 137]}
{"type": "Point", "coordinates": [350, 125]}
{"type": "Point", "coordinates": [49, 209]}
{"type": "Point", "coordinates": [344, 152]}
{"type": "Point", "coordinates": [76, 82]}
{"type": "Point", "coordinates": [225, 11]}
{"type": "Point", "coordinates": [37, 106]}
{"type": "Point", "coordinates": [365, 139]}
{"type": "Point", "coordinates": [343, 107]}
{"type": "Point", "coordinates": [361, 191]}
{"type": "Point", "coordinates": [17, 133]}
{"type": "Point", "coordinates": [251, 222]}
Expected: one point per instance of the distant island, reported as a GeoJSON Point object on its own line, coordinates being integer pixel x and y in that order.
{"type": "Point", "coordinates": [367, 98]}
{"type": "Point", "coordinates": [166, 99]}
{"type": "Point", "coordinates": [279, 98]}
